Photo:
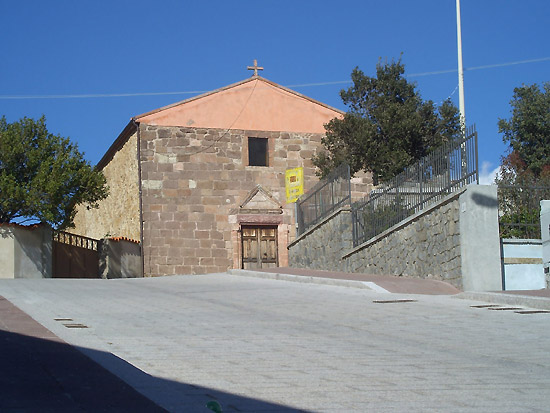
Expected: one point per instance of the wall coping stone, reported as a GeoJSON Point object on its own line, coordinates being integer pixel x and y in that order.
{"type": "Point", "coordinates": [319, 224]}
{"type": "Point", "coordinates": [521, 241]}
{"type": "Point", "coordinates": [449, 198]}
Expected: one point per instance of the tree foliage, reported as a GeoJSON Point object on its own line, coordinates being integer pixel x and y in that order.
{"type": "Point", "coordinates": [387, 127]}
{"type": "Point", "coordinates": [519, 194]}
{"type": "Point", "coordinates": [528, 130]}
{"type": "Point", "coordinates": [43, 176]}
{"type": "Point", "coordinates": [524, 176]}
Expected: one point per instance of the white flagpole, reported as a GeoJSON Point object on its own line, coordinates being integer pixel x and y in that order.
{"type": "Point", "coordinates": [460, 67]}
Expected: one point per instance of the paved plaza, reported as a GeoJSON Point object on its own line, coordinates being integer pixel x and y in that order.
{"type": "Point", "coordinates": [270, 345]}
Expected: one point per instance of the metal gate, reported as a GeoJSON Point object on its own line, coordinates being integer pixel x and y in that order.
{"type": "Point", "coordinates": [259, 247]}
{"type": "Point", "coordinates": [74, 256]}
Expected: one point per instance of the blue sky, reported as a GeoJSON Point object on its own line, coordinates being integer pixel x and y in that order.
{"type": "Point", "coordinates": [69, 47]}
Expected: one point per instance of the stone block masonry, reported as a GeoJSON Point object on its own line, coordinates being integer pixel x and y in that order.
{"type": "Point", "coordinates": [188, 186]}
{"type": "Point", "coordinates": [455, 240]}
{"type": "Point", "coordinates": [181, 177]}
{"type": "Point", "coordinates": [424, 246]}
{"type": "Point", "coordinates": [194, 181]}
{"type": "Point", "coordinates": [323, 246]}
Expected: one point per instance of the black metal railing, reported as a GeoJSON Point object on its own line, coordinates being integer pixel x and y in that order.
{"type": "Point", "coordinates": [75, 240]}
{"type": "Point", "coordinates": [443, 171]}
{"type": "Point", "coordinates": [325, 197]}
{"type": "Point", "coordinates": [519, 210]}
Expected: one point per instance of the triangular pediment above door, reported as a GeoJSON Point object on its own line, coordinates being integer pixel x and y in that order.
{"type": "Point", "coordinates": [260, 201]}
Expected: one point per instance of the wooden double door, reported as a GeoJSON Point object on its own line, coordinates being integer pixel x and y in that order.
{"type": "Point", "coordinates": [259, 247]}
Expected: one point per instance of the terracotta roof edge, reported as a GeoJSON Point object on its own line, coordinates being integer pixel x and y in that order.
{"type": "Point", "coordinates": [123, 239]}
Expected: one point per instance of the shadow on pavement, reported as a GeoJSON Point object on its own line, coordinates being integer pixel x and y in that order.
{"type": "Point", "coordinates": [49, 375]}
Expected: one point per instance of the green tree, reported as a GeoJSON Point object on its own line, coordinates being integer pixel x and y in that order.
{"type": "Point", "coordinates": [43, 176]}
{"type": "Point", "coordinates": [524, 176]}
{"type": "Point", "coordinates": [528, 130]}
{"type": "Point", "coordinates": [519, 196]}
{"type": "Point", "coordinates": [387, 127]}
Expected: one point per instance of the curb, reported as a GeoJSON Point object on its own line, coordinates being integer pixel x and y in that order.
{"type": "Point", "coordinates": [367, 285]}
{"type": "Point", "coordinates": [540, 303]}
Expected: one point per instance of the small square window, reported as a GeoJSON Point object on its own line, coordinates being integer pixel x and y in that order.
{"type": "Point", "coordinates": [257, 152]}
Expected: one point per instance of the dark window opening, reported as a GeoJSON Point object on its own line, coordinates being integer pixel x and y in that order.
{"type": "Point", "coordinates": [257, 152]}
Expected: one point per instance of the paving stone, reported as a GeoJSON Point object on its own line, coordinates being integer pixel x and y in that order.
{"type": "Point", "coordinates": [269, 345]}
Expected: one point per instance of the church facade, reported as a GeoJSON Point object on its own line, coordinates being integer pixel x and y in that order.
{"type": "Point", "coordinates": [201, 183]}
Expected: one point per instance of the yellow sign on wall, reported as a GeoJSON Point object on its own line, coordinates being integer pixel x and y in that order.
{"type": "Point", "coordinates": [294, 184]}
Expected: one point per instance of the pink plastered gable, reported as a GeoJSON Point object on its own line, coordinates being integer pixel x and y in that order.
{"type": "Point", "coordinates": [253, 104]}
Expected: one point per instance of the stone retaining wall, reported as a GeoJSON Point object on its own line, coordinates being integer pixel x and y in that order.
{"type": "Point", "coordinates": [455, 240]}
{"type": "Point", "coordinates": [426, 245]}
{"type": "Point", "coordinates": [324, 245]}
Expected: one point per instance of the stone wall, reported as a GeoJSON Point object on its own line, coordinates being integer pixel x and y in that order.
{"type": "Point", "coordinates": [323, 246]}
{"type": "Point", "coordinates": [426, 245]}
{"type": "Point", "coordinates": [194, 181]}
{"type": "Point", "coordinates": [118, 214]}
{"type": "Point", "coordinates": [455, 240]}
{"type": "Point", "coordinates": [193, 185]}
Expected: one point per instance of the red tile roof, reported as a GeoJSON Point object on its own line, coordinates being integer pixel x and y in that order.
{"type": "Point", "coordinates": [123, 239]}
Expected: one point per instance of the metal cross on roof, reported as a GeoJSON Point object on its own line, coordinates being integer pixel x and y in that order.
{"type": "Point", "coordinates": [255, 68]}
